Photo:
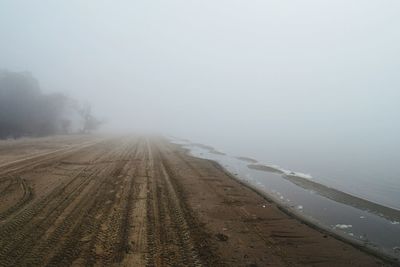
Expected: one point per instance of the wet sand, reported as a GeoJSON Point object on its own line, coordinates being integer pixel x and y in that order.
{"type": "Point", "coordinates": [265, 168]}
{"type": "Point", "coordinates": [247, 159]}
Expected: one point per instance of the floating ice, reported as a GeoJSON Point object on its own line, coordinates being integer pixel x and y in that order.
{"type": "Point", "coordinates": [299, 207]}
{"type": "Point", "coordinates": [362, 217]}
{"type": "Point", "coordinates": [395, 222]}
{"type": "Point", "coordinates": [343, 226]}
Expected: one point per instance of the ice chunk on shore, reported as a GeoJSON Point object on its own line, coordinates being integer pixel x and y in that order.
{"type": "Point", "coordinates": [343, 226]}
{"type": "Point", "coordinates": [298, 174]}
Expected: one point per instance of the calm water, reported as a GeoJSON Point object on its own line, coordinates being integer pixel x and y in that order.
{"type": "Point", "coordinates": [354, 223]}
{"type": "Point", "coordinates": [370, 170]}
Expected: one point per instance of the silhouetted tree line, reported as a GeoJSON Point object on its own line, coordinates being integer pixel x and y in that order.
{"type": "Point", "coordinates": [26, 111]}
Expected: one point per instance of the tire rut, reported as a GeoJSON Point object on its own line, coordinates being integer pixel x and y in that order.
{"type": "Point", "coordinates": [117, 204]}
{"type": "Point", "coordinates": [169, 234]}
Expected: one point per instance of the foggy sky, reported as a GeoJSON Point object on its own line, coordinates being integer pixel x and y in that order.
{"type": "Point", "coordinates": [303, 70]}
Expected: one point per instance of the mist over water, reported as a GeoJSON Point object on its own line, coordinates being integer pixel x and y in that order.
{"type": "Point", "coordinates": [311, 86]}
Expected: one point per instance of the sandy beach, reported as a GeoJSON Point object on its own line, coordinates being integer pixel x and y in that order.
{"type": "Point", "coordinates": [138, 201]}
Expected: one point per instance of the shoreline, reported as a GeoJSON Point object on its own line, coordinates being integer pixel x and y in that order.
{"type": "Point", "coordinates": [306, 182]}
{"type": "Point", "coordinates": [312, 223]}
{"type": "Point", "coordinates": [315, 224]}
{"type": "Point", "coordinates": [334, 194]}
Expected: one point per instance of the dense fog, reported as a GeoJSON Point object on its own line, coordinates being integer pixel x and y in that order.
{"type": "Point", "coordinates": [300, 72]}
{"type": "Point", "coordinates": [299, 100]}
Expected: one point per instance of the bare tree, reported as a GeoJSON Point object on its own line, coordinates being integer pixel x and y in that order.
{"type": "Point", "coordinates": [90, 123]}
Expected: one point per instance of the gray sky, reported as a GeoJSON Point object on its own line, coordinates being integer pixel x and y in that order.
{"type": "Point", "coordinates": [203, 68]}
